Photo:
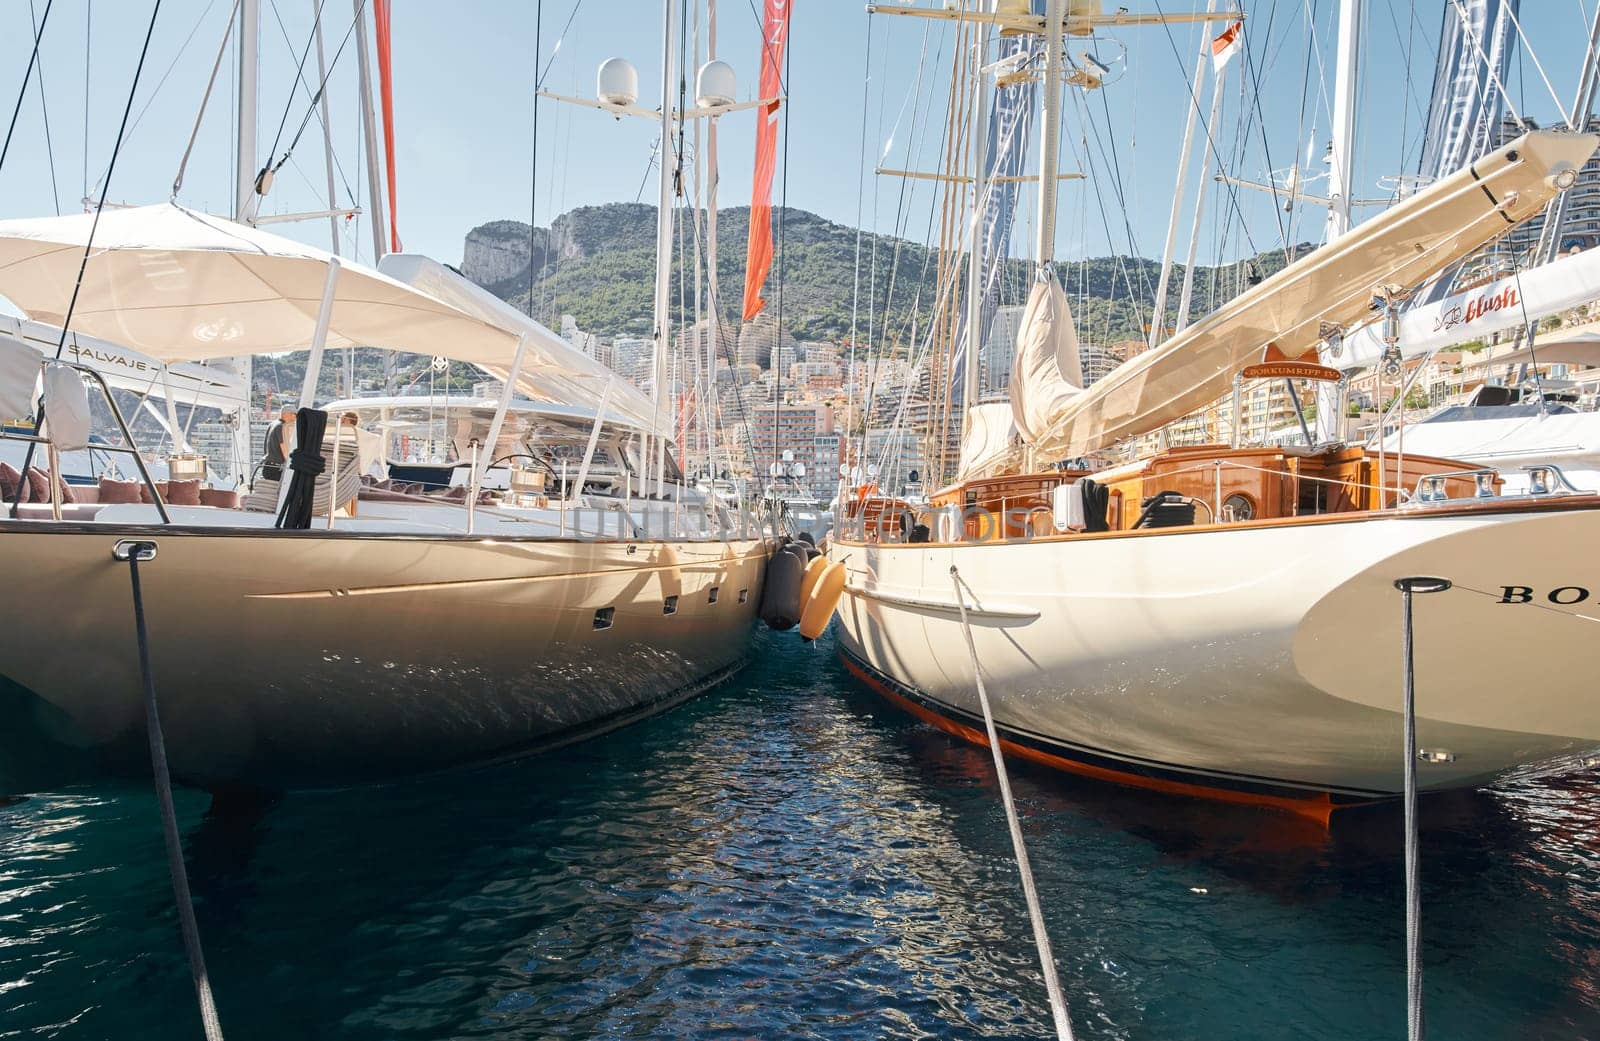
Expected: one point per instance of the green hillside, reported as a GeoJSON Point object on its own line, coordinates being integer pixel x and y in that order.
{"type": "Point", "coordinates": [597, 264]}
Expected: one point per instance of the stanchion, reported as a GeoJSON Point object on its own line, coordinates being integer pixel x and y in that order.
{"type": "Point", "coordinates": [1415, 1028]}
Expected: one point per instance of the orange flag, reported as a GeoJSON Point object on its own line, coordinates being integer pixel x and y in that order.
{"type": "Point", "coordinates": [759, 255]}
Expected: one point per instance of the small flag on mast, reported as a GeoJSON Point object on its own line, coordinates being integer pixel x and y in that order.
{"type": "Point", "coordinates": [1224, 47]}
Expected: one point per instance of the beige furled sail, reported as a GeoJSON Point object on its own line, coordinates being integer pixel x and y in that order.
{"type": "Point", "coordinates": [1047, 374]}
{"type": "Point", "coordinates": [991, 440]}
{"type": "Point", "coordinates": [1403, 246]}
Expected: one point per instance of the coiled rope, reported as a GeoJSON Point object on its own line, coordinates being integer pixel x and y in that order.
{"type": "Point", "coordinates": [1041, 938]}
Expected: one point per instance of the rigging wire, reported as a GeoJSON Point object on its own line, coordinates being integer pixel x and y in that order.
{"type": "Point", "coordinates": [313, 99]}
{"type": "Point", "coordinates": [33, 59]}
{"type": "Point", "coordinates": [88, 55]}
{"type": "Point", "coordinates": [533, 164]}
{"type": "Point", "coordinates": [116, 152]}
{"type": "Point", "coordinates": [783, 208]}
{"type": "Point", "coordinates": [299, 70]}
{"type": "Point", "coordinates": [855, 287]}
{"type": "Point", "coordinates": [322, 85]}
{"type": "Point", "coordinates": [205, 100]}
{"type": "Point", "coordinates": [44, 110]}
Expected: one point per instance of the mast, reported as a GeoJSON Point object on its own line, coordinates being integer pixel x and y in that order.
{"type": "Point", "coordinates": [1159, 315]}
{"type": "Point", "coordinates": [714, 346]}
{"type": "Point", "coordinates": [664, 192]}
{"type": "Point", "coordinates": [1329, 424]}
{"type": "Point", "coordinates": [1049, 137]}
{"type": "Point", "coordinates": [245, 188]}
{"type": "Point", "coordinates": [327, 129]}
{"type": "Point", "coordinates": [1344, 119]}
{"type": "Point", "coordinates": [369, 133]}
{"type": "Point", "coordinates": [249, 81]}
{"type": "Point", "coordinates": [1187, 295]}
{"type": "Point", "coordinates": [975, 258]}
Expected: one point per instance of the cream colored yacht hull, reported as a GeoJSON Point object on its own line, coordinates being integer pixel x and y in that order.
{"type": "Point", "coordinates": [1257, 661]}
{"type": "Point", "coordinates": [289, 659]}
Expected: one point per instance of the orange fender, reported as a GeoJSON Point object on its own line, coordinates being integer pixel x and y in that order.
{"type": "Point", "coordinates": [824, 598]}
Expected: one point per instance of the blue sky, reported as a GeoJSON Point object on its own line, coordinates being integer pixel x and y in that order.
{"type": "Point", "coordinates": [463, 91]}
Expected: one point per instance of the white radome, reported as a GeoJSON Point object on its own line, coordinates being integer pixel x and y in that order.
{"type": "Point", "coordinates": [617, 82]}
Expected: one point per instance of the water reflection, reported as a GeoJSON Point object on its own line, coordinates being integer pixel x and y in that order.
{"type": "Point", "coordinates": [791, 858]}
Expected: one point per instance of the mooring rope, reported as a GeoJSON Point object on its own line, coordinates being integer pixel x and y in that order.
{"type": "Point", "coordinates": [1414, 1021]}
{"type": "Point", "coordinates": [1041, 938]}
{"type": "Point", "coordinates": [133, 552]}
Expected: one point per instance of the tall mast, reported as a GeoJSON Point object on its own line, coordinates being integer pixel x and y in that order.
{"type": "Point", "coordinates": [369, 133]}
{"type": "Point", "coordinates": [327, 129]}
{"type": "Point", "coordinates": [1344, 119]}
{"type": "Point", "coordinates": [714, 346]}
{"type": "Point", "coordinates": [1159, 315]}
{"type": "Point", "coordinates": [1329, 424]}
{"type": "Point", "coordinates": [664, 194]}
{"type": "Point", "coordinates": [1049, 137]}
{"type": "Point", "coordinates": [245, 188]}
{"type": "Point", "coordinates": [975, 241]}
{"type": "Point", "coordinates": [249, 80]}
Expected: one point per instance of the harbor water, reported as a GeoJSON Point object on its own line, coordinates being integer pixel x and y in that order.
{"type": "Point", "coordinates": [787, 856]}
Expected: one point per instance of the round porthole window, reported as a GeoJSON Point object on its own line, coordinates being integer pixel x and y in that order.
{"type": "Point", "coordinates": [1238, 507]}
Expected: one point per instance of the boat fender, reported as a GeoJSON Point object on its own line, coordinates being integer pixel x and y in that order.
{"type": "Point", "coordinates": [824, 598]}
{"type": "Point", "coordinates": [814, 569]}
{"type": "Point", "coordinates": [805, 536]}
{"type": "Point", "coordinates": [780, 593]}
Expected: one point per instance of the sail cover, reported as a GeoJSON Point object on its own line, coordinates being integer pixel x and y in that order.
{"type": "Point", "coordinates": [991, 440]}
{"type": "Point", "coordinates": [1408, 243]}
{"type": "Point", "coordinates": [1047, 374]}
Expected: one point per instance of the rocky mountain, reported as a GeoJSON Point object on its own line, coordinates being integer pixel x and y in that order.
{"type": "Point", "coordinates": [597, 263]}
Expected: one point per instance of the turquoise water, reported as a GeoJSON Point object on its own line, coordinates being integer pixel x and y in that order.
{"type": "Point", "coordinates": [789, 857]}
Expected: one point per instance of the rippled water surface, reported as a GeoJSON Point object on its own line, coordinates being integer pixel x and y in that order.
{"type": "Point", "coordinates": [788, 857]}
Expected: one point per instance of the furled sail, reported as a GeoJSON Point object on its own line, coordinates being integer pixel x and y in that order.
{"type": "Point", "coordinates": [1047, 374]}
{"type": "Point", "coordinates": [991, 440]}
{"type": "Point", "coordinates": [1405, 245]}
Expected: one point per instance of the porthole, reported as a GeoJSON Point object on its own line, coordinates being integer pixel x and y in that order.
{"type": "Point", "coordinates": [603, 617]}
{"type": "Point", "coordinates": [1238, 507]}
{"type": "Point", "coordinates": [670, 605]}
{"type": "Point", "coordinates": [711, 596]}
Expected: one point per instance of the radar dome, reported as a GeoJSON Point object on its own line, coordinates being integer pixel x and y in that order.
{"type": "Point", "coordinates": [617, 82]}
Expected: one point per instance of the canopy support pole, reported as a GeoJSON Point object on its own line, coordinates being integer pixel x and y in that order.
{"type": "Point", "coordinates": [180, 443]}
{"type": "Point", "coordinates": [594, 439]}
{"type": "Point", "coordinates": [506, 393]}
{"type": "Point", "coordinates": [319, 337]}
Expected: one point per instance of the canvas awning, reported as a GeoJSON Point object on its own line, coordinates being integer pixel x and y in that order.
{"type": "Point", "coordinates": [179, 285]}
{"type": "Point", "coordinates": [554, 370]}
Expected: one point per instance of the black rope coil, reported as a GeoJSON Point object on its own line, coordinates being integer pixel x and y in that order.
{"type": "Point", "coordinates": [306, 464]}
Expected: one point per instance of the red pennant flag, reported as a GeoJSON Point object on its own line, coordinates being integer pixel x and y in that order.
{"type": "Point", "coordinates": [759, 256]}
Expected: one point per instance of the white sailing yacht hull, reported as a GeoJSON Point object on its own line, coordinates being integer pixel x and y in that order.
{"type": "Point", "coordinates": [317, 658]}
{"type": "Point", "coordinates": [1251, 663]}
